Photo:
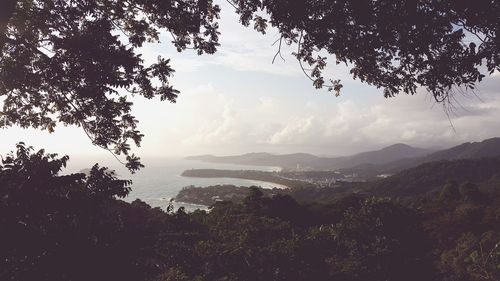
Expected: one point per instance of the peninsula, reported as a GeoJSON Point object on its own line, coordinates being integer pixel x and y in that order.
{"type": "Point", "coordinates": [271, 177]}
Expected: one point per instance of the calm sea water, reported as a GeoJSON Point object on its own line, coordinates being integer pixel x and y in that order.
{"type": "Point", "coordinates": [160, 180]}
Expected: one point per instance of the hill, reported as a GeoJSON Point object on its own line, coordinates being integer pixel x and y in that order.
{"type": "Point", "coordinates": [470, 150]}
{"type": "Point", "coordinates": [304, 161]}
{"type": "Point", "coordinates": [431, 177]}
{"type": "Point", "coordinates": [263, 159]}
{"type": "Point", "coordinates": [385, 155]}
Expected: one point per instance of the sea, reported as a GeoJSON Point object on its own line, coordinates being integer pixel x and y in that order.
{"type": "Point", "coordinates": [161, 179]}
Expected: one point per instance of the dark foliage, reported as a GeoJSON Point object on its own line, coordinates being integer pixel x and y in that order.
{"type": "Point", "coordinates": [396, 45]}
{"type": "Point", "coordinates": [73, 227]}
{"type": "Point", "coordinates": [211, 194]}
{"type": "Point", "coordinates": [466, 237]}
{"type": "Point", "coordinates": [431, 177]}
{"type": "Point", "coordinates": [75, 62]}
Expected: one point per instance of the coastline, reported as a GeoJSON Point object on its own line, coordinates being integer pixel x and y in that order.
{"type": "Point", "coordinates": [268, 184]}
{"type": "Point", "coordinates": [260, 177]}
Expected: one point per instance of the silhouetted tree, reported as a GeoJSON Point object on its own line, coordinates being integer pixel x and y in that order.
{"type": "Point", "coordinates": [73, 227]}
{"type": "Point", "coordinates": [76, 62]}
{"type": "Point", "coordinates": [396, 45]}
{"type": "Point", "coordinates": [253, 201]}
{"type": "Point", "coordinates": [380, 240]}
{"type": "Point", "coordinates": [70, 227]}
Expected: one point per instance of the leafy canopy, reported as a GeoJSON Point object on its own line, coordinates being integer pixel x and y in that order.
{"type": "Point", "coordinates": [396, 45]}
{"type": "Point", "coordinates": [77, 62]}
{"type": "Point", "coordinates": [28, 173]}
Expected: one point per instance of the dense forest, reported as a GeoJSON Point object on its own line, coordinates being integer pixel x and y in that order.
{"type": "Point", "coordinates": [74, 227]}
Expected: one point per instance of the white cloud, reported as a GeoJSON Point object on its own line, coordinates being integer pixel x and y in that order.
{"type": "Point", "coordinates": [268, 103]}
{"type": "Point", "coordinates": [219, 130]}
{"type": "Point", "coordinates": [230, 125]}
{"type": "Point", "coordinates": [211, 118]}
{"type": "Point", "coordinates": [296, 132]}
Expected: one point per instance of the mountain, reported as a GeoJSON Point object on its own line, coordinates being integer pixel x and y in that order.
{"type": "Point", "coordinates": [469, 150]}
{"type": "Point", "coordinates": [385, 155]}
{"type": "Point", "coordinates": [287, 161]}
{"type": "Point", "coordinates": [311, 162]}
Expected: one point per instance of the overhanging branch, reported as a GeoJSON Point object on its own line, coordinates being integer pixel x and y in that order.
{"type": "Point", "coordinates": [6, 13]}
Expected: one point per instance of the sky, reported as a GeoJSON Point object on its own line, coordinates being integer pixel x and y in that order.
{"type": "Point", "coordinates": [237, 101]}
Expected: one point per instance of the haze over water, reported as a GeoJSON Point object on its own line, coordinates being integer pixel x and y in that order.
{"type": "Point", "coordinates": [161, 179]}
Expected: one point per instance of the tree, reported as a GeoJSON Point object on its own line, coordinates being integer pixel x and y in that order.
{"type": "Point", "coordinates": [73, 227]}
{"type": "Point", "coordinates": [76, 62]}
{"type": "Point", "coordinates": [469, 192]}
{"type": "Point", "coordinates": [380, 240]}
{"type": "Point", "coordinates": [450, 192]}
{"type": "Point", "coordinates": [46, 217]}
{"type": "Point", "coordinates": [396, 45]}
{"type": "Point", "coordinates": [473, 258]}
{"type": "Point", "coordinates": [253, 201]}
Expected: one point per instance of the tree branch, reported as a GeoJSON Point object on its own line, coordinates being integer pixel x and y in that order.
{"type": "Point", "coordinates": [85, 129]}
{"type": "Point", "coordinates": [464, 26]}
{"type": "Point", "coordinates": [6, 13]}
{"type": "Point", "coordinates": [302, 66]}
{"type": "Point", "coordinates": [279, 50]}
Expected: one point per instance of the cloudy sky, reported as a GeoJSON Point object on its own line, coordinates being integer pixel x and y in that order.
{"type": "Point", "coordinates": [237, 101]}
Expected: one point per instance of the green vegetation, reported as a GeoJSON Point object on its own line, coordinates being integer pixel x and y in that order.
{"type": "Point", "coordinates": [469, 150]}
{"type": "Point", "coordinates": [430, 177]}
{"type": "Point", "coordinates": [460, 178]}
{"type": "Point", "coordinates": [73, 227]}
{"type": "Point", "coordinates": [211, 194]}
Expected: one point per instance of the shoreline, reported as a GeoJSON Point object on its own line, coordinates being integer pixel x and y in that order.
{"type": "Point", "coordinates": [274, 185]}
{"type": "Point", "coordinates": [189, 207]}
{"type": "Point", "coordinates": [271, 179]}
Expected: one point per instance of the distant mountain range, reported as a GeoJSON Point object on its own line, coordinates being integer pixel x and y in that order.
{"type": "Point", "coordinates": [388, 160]}
{"type": "Point", "coordinates": [306, 161]}
{"type": "Point", "coordinates": [470, 150]}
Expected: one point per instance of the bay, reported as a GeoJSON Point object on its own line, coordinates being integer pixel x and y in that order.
{"type": "Point", "coordinates": [161, 179]}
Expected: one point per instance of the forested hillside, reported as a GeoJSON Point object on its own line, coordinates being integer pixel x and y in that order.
{"type": "Point", "coordinates": [430, 177]}
{"type": "Point", "coordinates": [468, 150]}
{"type": "Point", "coordinates": [46, 217]}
